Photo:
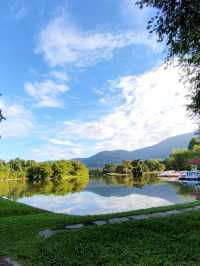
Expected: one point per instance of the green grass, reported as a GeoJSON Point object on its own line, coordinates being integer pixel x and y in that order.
{"type": "Point", "coordinates": [172, 240]}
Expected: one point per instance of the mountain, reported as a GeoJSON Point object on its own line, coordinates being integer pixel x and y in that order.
{"type": "Point", "coordinates": [158, 151]}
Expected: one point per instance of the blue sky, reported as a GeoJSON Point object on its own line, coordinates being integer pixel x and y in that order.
{"type": "Point", "coordinates": [79, 77]}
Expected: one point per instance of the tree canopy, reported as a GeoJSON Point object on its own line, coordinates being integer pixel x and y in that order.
{"type": "Point", "coordinates": [40, 171]}
{"type": "Point", "coordinates": [180, 158]}
{"type": "Point", "coordinates": [193, 143]}
{"type": "Point", "coordinates": [177, 23]}
{"type": "Point", "coordinates": [134, 167]}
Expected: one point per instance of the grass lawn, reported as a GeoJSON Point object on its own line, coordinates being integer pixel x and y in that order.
{"type": "Point", "coordinates": [172, 240]}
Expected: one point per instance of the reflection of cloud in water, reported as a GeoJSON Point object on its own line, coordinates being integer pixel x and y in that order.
{"type": "Point", "coordinates": [89, 203]}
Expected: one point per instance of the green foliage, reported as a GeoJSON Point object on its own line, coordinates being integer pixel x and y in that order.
{"type": "Point", "coordinates": [196, 148]}
{"type": "Point", "coordinates": [109, 168]}
{"type": "Point", "coordinates": [135, 167]}
{"type": "Point", "coordinates": [42, 171]}
{"type": "Point", "coordinates": [177, 23]}
{"type": "Point", "coordinates": [140, 167]}
{"type": "Point", "coordinates": [33, 170]}
{"type": "Point", "coordinates": [120, 169]}
{"type": "Point", "coordinates": [135, 180]}
{"type": "Point", "coordinates": [179, 159]}
{"type": "Point", "coordinates": [155, 165]}
{"type": "Point", "coordinates": [96, 172]}
{"type": "Point", "coordinates": [127, 167]}
{"type": "Point", "coordinates": [193, 142]}
{"type": "Point", "coordinates": [4, 170]}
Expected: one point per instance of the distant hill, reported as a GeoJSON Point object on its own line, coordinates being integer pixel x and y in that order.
{"type": "Point", "coordinates": [157, 151]}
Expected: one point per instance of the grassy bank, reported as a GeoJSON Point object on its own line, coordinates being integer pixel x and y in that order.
{"type": "Point", "coordinates": [169, 241]}
{"type": "Point", "coordinates": [116, 174]}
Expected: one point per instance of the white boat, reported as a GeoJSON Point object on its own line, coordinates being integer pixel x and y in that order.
{"type": "Point", "coordinates": [170, 173]}
{"type": "Point", "coordinates": [190, 176]}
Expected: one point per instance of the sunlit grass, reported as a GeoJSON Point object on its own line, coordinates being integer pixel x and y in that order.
{"type": "Point", "coordinates": [168, 241]}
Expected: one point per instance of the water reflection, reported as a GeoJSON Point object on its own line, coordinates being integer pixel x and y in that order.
{"type": "Point", "coordinates": [88, 203]}
{"type": "Point", "coordinates": [187, 190]}
{"type": "Point", "coordinates": [15, 189]}
{"type": "Point", "coordinates": [132, 181]}
{"type": "Point", "coordinates": [104, 194]}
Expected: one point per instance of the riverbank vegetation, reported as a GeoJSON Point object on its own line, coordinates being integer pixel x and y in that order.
{"type": "Point", "coordinates": [147, 242]}
{"type": "Point", "coordinates": [179, 160]}
{"type": "Point", "coordinates": [41, 171]}
{"type": "Point", "coordinates": [135, 167]}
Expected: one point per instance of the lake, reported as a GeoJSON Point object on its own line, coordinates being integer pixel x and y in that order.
{"type": "Point", "coordinates": [98, 195]}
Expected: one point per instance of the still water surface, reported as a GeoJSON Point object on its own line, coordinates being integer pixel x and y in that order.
{"type": "Point", "coordinates": [99, 195]}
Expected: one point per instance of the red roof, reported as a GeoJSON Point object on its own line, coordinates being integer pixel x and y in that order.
{"type": "Point", "coordinates": [195, 161]}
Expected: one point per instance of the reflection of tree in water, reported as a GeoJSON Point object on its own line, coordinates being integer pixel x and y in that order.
{"type": "Point", "coordinates": [21, 188]}
{"type": "Point", "coordinates": [187, 190]}
{"type": "Point", "coordinates": [138, 181]}
{"type": "Point", "coordinates": [13, 189]}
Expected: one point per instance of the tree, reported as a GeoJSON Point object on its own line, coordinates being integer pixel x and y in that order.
{"type": "Point", "coordinates": [139, 164]}
{"type": "Point", "coordinates": [121, 169]}
{"type": "Point", "coordinates": [196, 148]}
{"type": "Point", "coordinates": [4, 170]}
{"type": "Point", "coordinates": [155, 165]}
{"type": "Point", "coordinates": [127, 166]}
{"type": "Point", "coordinates": [179, 159]}
{"type": "Point", "coordinates": [17, 165]}
{"type": "Point", "coordinates": [109, 168]}
{"type": "Point", "coordinates": [177, 22]}
{"type": "Point", "coordinates": [41, 171]}
{"type": "Point", "coordinates": [137, 171]}
{"type": "Point", "coordinates": [139, 167]}
{"type": "Point", "coordinates": [193, 142]}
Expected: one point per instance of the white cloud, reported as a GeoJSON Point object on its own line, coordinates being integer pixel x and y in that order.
{"type": "Point", "coordinates": [59, 75]}
{"type": "Point", "coordinates": [61, 142]}
{"type": "Point", "coordinates": [19, 121]}
{"type": "Point", "coordinates": [46, 92]}
{"type": "Point", "coordinates": [152, 108]}
{"type": "Point", "coordinates": [103, 100]}
{"type": "Point", "coordinates": [56, 152]}
{"type": "Point", "coordinates": [62, 43]}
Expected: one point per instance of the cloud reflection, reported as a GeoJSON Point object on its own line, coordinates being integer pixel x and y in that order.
{"type": "Point", "coordinates": [88, 203]}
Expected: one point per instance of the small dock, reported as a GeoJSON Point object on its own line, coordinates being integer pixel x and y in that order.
{"type": "Point", "coordinates": [171, 176]}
